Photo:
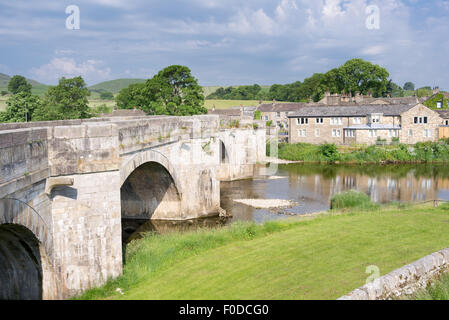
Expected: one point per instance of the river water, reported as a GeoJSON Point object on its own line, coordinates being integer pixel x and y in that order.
{"type": "Point", "coordinates": [311, 187]}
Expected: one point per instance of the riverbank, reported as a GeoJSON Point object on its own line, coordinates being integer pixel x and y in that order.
{"type": "Point", "coordinates": [423, 152]}
{"type": "Point", "coordinates": [317, 257]}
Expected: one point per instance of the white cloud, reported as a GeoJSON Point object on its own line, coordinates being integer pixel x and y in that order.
{"type": "Point", "coordinates": [90, 70]}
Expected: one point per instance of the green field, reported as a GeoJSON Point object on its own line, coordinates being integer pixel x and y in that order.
{"type": "Point", "coordinates": [304, 258]}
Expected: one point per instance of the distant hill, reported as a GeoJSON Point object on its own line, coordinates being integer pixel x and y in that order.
{"type": "Point", "coordinates": [114, 86]}
{"type": "Point", "coordinates": [38, 88]}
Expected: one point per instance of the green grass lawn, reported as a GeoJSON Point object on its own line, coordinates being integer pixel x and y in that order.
{"type": "Point", "coordinates": [304, 258]}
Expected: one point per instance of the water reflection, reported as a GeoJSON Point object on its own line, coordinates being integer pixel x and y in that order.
{"type": "Point", "coordinates": [312, 187]}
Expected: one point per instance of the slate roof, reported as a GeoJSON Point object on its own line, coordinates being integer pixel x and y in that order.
{"type": "Point", "coordinates": [281, 107]}
{"type": "Point", "coordinates": [351, 111]}
{"type": "Point", "coordinates": [373, 126]}
{"type": "Point", "coordinates": [443, 113]}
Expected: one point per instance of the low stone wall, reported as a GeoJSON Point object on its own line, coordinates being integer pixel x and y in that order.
{"type": "Point", "coordinates": [404, 281]}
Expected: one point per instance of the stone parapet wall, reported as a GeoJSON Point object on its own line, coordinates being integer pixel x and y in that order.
{"type": "Point", "coordinates": [404, 281]}
{"type": "Point", "coordinates": [22, 152]}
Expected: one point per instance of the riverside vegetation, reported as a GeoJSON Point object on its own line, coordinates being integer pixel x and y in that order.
{"type": "Point", "coordinates": [321, 256]}
{"type": "Point", "coordinates": [421, 152]}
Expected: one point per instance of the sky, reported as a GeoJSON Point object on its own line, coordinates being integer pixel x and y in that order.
{"type": "Point", "coordinates": [224, 42]}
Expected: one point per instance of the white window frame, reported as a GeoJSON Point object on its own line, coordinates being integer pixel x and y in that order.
{"type": "Point", "coordinates": [357, 120]}
{"type": "Point", "coordinates": [319, 120]}
{"type": "Point", "coordinates": [303, 121]}
{"type": "Point", "coordinates": [410, 132]}
{"type": "Point", "coordinates": [373, 133]}
{"type": "Point", "coordinates": [336, 133]}
{"type": "Point", "coordinates": [336, 121]}
{"type": "Point", "coordinates": [317, 132]}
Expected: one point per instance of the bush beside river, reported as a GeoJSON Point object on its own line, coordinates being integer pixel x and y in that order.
{"type": "Point", "coordinates": [421, 152]}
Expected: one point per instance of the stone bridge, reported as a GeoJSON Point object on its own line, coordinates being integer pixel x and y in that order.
{"type": "Point", "coordinates": [65, 187]}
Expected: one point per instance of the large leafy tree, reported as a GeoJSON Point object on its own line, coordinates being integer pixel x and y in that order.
{"type": "Point", "coordinates": [19, 84]}
{"type": "Point", "coordinates": [358, 75]}
{"type": "Point", "coordinates": [179, 91]}
{"type": "Point", "coordinates": [67, 100]}
{"type": "Point", "coordinates": [20, 107]}
{"type": "Point", "coordinates": [173, 91]}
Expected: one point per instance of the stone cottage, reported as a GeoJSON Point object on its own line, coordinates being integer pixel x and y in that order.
{"type": "Point", "coordinates": [364, 124]}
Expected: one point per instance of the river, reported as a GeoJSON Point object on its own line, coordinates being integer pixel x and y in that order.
{"type": "Point", "coordinates": [311, 186]}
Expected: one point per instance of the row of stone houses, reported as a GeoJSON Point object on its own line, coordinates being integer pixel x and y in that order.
{"type": "Point", "coordinates": [278, 112]}
{"type": "Point", "coordinates": [366, 124]}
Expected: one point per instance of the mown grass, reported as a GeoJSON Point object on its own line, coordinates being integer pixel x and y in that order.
{"type": "Point", "coordinates": [323, 257]}
{"type": "Point", "coordinates": [400, 153]}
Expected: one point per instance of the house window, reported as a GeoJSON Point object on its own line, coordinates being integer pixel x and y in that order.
{"type": "Point", "coordinates": [357, 120]}
{"type": "Point", "coordinates": [427, 133]}
{"type": "Point", "coordinates": [303, 121]}
{"type": "Point", "coordinates": [350, 133]}
{"type": "Point", "coordinates": [266, 118]}
{"type": "Point", "coordinates": [317, 132]}
{"type": "Point", "coordinates": [373, 133]}
{"type": "Point", "coordinates": [278, 114]}
{"type": "Point", "coordinates": [446, 122]}
{"type": "Point", "coordinates": [375, 118]}
{"type": "Point", "coordinates": [336, 121]}
{"type": "Point", "coordinates": [439, 104]}
{"type": "Point", "coordinates": [302, 133]}
{"type": "Point", "coordinates": [319, 120]}
{"type": "Point", "coordinates": [286, 114]}
{"type": "Point", "coordinates": [336, 133]}
{"type": "Point", "coordinates": [410, 133]}
{"type": "Point", "coordinates": [392, 133]}
{"type": "Point", "coordinates": [420, 120]}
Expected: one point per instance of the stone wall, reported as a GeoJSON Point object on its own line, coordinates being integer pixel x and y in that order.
{"type": "Point", "coordinates": [404, 281]}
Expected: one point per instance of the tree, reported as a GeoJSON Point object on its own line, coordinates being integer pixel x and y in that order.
{"type": "Point", "coordinates": [409, 86]}
{"type": "Point", "coordinates": [394, 90]}
{"type": "Point", "coordinates": [19, 84]}
{"type": "Point", "coordinates": [106, 95]}
{"type": "Point", "coordinates": [173, 91]}
{"type": "Point", "coordinates": [67, 100]}
{"type": "Point", "coordinates": [20, 107]}
{"type": "Point", "coordinates": [358, 75]}
{"type": "Point", "coordinates": [4, 93]}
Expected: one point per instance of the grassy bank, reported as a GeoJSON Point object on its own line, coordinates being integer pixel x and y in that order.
{"type": "Point", "coordinates": [439, 290]}
{"type": "Point", "coordinates": [400, 153]}
{"type": "Point", "coordinates": [320, 257]}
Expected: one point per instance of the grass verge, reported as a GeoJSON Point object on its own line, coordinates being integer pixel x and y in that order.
{"type": "Point", "coordinates": [323, 257]}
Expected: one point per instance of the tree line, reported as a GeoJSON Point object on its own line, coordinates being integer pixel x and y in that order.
{"type": "Point", "coordinates": [356, 75]}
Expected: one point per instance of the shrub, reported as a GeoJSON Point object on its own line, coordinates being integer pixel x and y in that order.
{"type": "Point", "coordinates": [329, 151]}
{"type": "Point", "coordinates": [352, 199]}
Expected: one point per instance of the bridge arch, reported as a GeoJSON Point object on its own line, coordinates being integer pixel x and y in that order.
{"type": "Point", "coordinates": [26, 270]}
{"type": "Point", "coordinates": [150, 188]}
